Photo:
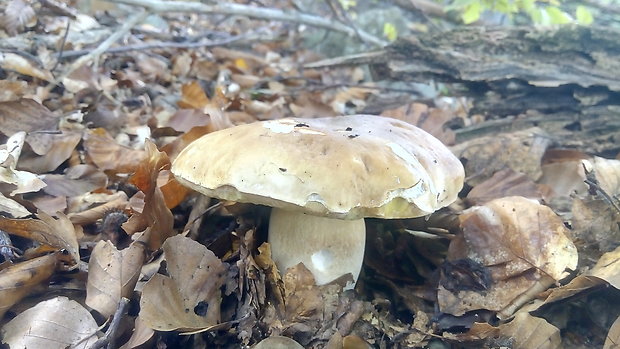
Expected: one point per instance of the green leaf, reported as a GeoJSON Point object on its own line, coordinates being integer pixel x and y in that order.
{"type": "Point", "coordinates": [347, 4]}
{"type": "Point", "coordinates": [557, 16]}
{"type": "Point", "coordinates": [471, 13]}
{"type": "Point", "coordinates": [390, 31]}
{"type": "Point", "coordinates": [584, 16]}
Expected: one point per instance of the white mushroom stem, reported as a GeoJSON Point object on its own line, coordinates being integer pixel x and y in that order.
{"type": "Point", "coordinates": [329, 248]}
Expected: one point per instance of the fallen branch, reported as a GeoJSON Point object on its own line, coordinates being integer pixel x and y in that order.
{"type": "Point", "coordinates": [162, 6]}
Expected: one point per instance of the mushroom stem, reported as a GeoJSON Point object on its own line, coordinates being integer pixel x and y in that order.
{"type": "Point", "coordinates": [329, 248]}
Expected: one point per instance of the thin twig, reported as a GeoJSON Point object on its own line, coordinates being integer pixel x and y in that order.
{"type": "Point", "coordinates": [94, 54]}
{"type": "Point", "coordinates": [339, 11]}
{"type": "Point", "coordinates": [162, 45]}
{"type": "Point", "coordinates": [62, 45]}
{"type": "Point", "coordinates": [234, 9]}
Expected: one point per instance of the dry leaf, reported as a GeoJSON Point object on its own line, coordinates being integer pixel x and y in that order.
{"type": "Point", "coordinates": [277, 342]}
{"type": "Point", "coordinates": [431, 120]}
{"type": "Point", "coordinates": [193, 96]}
{"type": "Point", "coordinates": [607, 173]}
{"type": "Point", "coordinates": [25, 182]}
{"type": "Point", "coordinates": [522, 246]}
{"type": "Point", "coordinates": [140, 336]}
{"type": "Point", "coordinates": [504, 183]}
{"type": "Point", "coordinates": [12, 207]}
{"type": "Point", "coordinates": [112, 274]}
{"type": "Point", "coordinates": [155, 215]}
{"type": "Point", "coordinates": [531, 332]}
{"type": "Point", "coordinates": [56, 323]}
{"type": "Point", "coordinates": [16, 281]}
{"type": "Point", "coordinates": [520, 151]}
{"type": "Point", "coordinates": [606, 271]}
{"type": "Point", "coordinates": [109, 155]}
{"type": "Point", "coordinates": [11, 91]}
{"type": "Point", "coordinates": [17, 15]}
{"type": "Point", "coordinates": [77, 180]}
{"type": "Point", "coordinates": [58, 233]}
{"type": "Point", "coordinates": [17, 63]}
{"type": "Point", "coordinates": [189, 297]}
{"type": "Point", "coordinates": [613, 336]}
{"type": "Point", "coordinates": [26, 115]}
{"type": "Point", "coordinates": [116, 201]}
{"type": "Point", "coordinates": [62, 146]}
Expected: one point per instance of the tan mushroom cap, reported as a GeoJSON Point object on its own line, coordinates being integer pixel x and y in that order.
{"type": "Point", "coordinates": [345, 167]}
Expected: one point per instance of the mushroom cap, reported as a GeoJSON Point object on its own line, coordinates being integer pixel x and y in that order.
{"type": "Point", "coordinates": [345, 167]}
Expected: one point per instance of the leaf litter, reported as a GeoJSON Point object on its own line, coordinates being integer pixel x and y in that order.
{"type": "Point", "coordinates": [94, 214]}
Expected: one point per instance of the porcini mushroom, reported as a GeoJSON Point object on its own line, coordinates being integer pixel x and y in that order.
{"type": "Point", "coordinates": [322, 177]}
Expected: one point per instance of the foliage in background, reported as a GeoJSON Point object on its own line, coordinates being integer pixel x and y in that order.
{"type": "Point", "coordinates": [544, 12]}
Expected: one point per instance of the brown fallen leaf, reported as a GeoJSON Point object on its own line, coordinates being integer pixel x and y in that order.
{"type": "Point", "coordinates": [109, 155]}
{"type": "Point", "coordinates": [187, 298]}
{"type": "Point", "coordinates": [76, 180]}
{"type": "Point", "coordinates": [431, 120]}
{"type": "Point", "coordinates": [12, 90]}
{"type": "Point", "coordinates": [140, 336]}
{"type": "Point", "coordinates": [12, 207]}
{"type": "Point", "coordinates": [155, 216]}
{"type": "Point", "coordinates": [27, 115]}
{"type": "Point", "coordinates": [606, 271]}
{"type": "Point", "coordinates": [57, 233]}
{"type": "Point", "coordinates": [22, 65]}
{"type": "Point", "coordinates": [17, 281]}
{"type": "Point", "coordinates": [531, 332]}
{"type": "Point", "coordinates": [520, 243]}
{"type": "Point", "coordinates": [112, 274]}
{"type": "Point", "coordinates": [116, 201]}
{"type": "Point", "coordinates": [23, 181]}
{"type": "Point", "coordinates": [504, 183]}
{"type": "Point", "coordinates": [62, 146]}
{"type": "Point", "coordinates": [520, 151]}
{"type": "Point", "coordinates": [55, 323]}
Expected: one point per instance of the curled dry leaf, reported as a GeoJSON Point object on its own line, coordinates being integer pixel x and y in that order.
{"type": "Point", "coordinates": [607, 172]}
{"type": "Point", "coordinates": [58, 233]}
{"type": "Point", "coordinates": [22, 65]}
{"type": "Point", "coordinates": [156, 215]}
{"type": "Point", "coordinates": [55, 323]}
{"type": "Point", "coordinates": [531, 332]}
{"type": "Point", "coordinates": [606, 271]}
{"type": "Point", "coordinates": [116, 201]}
{"type": "Point", "coordinates": [109, 155]}
{"type": "Point", "coordinates": [523, 246]}
{"type": "Point", "coordinates": [189, 297]}
{"type": "Point", "coordinates": [112, 274]}
{"type": "Point", "coordinates": [12, 207]}
{"type": "Point", "coordinates": [24, 181]}
{"type": "Point", "coordinates": [16, 281]}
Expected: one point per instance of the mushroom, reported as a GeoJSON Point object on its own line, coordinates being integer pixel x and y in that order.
{"type": "Point", "coordinates": [322, 177]}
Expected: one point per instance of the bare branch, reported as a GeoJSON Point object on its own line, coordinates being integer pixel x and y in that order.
{"type": "Point", "coordinates": [159, 6]}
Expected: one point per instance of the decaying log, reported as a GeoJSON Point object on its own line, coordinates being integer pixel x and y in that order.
{"type": "Point", "coordinates": [565, 80]}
